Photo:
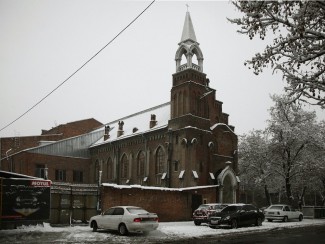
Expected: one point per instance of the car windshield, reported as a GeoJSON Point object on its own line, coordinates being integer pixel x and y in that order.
{"type": "Point", "coordinates": [231, 209]}
{"type": "Point", "coordinates": [137, 211]}
{"type": "Point", "coordinates": [276, 207]}
{"type": "Point", "coordinates": [219, 206]}
{"type": "Point", "coordinates": [203, 206]}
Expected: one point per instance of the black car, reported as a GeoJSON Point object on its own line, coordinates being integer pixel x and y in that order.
{"type": "Point", "coordinates": [203, 212]}
{"type": "Point", "coordinates": [236, 215]}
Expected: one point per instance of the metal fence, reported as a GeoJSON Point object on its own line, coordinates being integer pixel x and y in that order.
{"type": "Point", "coordinates": [314, 212]}
{"type": "Point", "coordinates": [73, 203]}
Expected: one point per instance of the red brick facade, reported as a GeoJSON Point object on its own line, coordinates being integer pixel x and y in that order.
{"type": "Point", "coordinates": [75, 128]}
{"type": "Point", "coordinates": [169, 204]}
{"type": "Point", "coordinates": [196, 147]}
{"type": "Point", "coordinates": [16, 155]}
{"type": "Point", "coordinates": [29, 163]}
{"type": "Point", "coordinates": [185, 143]}
{"type": "Point", "coordinates": [12, 145]}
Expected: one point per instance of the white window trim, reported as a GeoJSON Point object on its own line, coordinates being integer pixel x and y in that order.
{"type": "Point", "coordinates": [181, 174]}
{"type": "Point", "coordinates": [195, 175]}
{"type": "Point", "coordinates": [164, 176]}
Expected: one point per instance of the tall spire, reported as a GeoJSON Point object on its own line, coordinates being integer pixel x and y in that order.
{"type": "Point", "coordinates": [188, 30]}
{"type": "Point", "coordinates": [188, 47]}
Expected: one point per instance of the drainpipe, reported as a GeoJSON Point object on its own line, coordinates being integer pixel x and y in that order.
{"type": "Point", "coordinates": [117, 156]}
{"type": "Point", "coordinates": [146, 161]}
{"type": "Point", "coordinates": [0, 154]}
{"type": "Point", "coordinates": [169, 155]}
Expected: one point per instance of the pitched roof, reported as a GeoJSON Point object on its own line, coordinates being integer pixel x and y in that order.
{"type": "Point", "coordinates": [140, 121]}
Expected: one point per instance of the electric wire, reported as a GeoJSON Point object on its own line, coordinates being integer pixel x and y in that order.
{"type": "Point", "coordinates": [75, 72]}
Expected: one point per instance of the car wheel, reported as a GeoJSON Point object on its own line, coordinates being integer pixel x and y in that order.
{"type": "Point", "coordinates": [270, 220]}
{"type": "Point", "coordinates": [94, 225]}
{"type": "Point", "coordinates": [285, 219]}
{"type": "Point", "coordinates": [197, 222]}
{"type": "Point", "coordinates": [234, 224]}
{"type": "Point", "coordinates": [122, 230]}
{"type": "Point", "coordinates": [258, 222]}
{"type": "Point", "coordinates": [301, 217]}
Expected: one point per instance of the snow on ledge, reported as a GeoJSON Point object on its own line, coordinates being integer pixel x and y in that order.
{"type": "Point", "coordinates": [217, 124]}
{"type": "Point", "coordinates": [157, 188]}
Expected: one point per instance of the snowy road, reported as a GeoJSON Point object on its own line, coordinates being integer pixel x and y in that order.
{"type": "Point", "coordinates": [167, 231]}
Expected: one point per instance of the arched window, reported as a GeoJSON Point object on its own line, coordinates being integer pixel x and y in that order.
{"type": "Point", "coordinates": [97, 168]}
{"type": "Point", "coordinates": [104, 171]}
{"type": "Point", "coordinates": [160, 160]}
{"type": "Point", "coordinates": [175, 112]}
{"type": "Point", "coordinates": [184, 59]}
{"type": "Point", "coordinates": [141, 164]}
{"type": "Point", "coordinates": [194, 59]}
{"type": "Point", "coordinates": [184, 103]}
{"type": "Point", "coordinates": [110, 169]}
{"type": "Point", "coordinates": [179, 103]}
{"type": "Point", "coordinates": [124, 167]}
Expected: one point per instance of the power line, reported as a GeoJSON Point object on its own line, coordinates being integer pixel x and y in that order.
{"type": "Point", "coordinates": [75, 72]}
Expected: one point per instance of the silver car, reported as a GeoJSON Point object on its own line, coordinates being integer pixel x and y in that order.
{"type": "Point", "coordinates": [125, 219]}
{"type": "Point", "coordinates": [282, 212]}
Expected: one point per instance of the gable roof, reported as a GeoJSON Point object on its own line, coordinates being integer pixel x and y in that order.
{"type": "Point", "coordinates": [140, 121]}
{"type": "Point", "coordinates": [74, 128]}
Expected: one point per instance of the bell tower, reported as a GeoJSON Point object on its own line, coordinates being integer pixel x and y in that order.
{"type": "Point", "coordinates": [188, 47]}
{"type": "Point", "coordinates": [190, 84]}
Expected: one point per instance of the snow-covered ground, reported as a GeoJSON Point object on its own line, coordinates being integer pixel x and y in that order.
{"type": "Point", "coordinates": [166, 231]}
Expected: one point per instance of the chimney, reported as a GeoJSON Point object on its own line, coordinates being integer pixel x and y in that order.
{"type": "Point", "coordinates": [106, 133]}
{"type": "Point", "coordinates": [120, 128]}
{"type": "Point", "coordinates": [153, 121]}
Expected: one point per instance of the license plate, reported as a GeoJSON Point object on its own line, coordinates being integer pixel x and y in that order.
{"type": "Point", "coordinates": [214, 222]}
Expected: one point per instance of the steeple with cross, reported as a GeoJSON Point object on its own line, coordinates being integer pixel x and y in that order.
{"type": "Point", "coordinates": [188, 47]}
{"type": "Point", "coordinates": [189, 82]}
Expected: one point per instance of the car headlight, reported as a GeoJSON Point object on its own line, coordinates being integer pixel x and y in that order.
{"type": "Point", "coordinates": [227, 218]}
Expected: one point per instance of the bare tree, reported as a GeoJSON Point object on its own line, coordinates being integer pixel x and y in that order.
{"type": "Point", "coordinates": [298, 48]}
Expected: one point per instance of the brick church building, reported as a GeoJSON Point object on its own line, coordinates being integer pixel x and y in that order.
{"type": "Point", "coordinates": [184, 145]}
{"type": "Point", "coordinates": [176, 155]}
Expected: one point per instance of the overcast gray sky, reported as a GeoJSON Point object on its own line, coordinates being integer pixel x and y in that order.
{"type": "Point", "coordinates": [42, 42]}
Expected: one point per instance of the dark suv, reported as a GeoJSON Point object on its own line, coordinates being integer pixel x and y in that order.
{"type": "Point", "coordinates": [236, 215]}
{"type": "Point", "coordinates": [202, 213]}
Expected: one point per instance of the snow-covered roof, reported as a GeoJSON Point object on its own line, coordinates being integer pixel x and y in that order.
{"type": "Point", "coordinates": [157, 188]}
{"type": "Point", "coordinates": [137, 123]}
{"type": "Point", "coordinates": [221, 124]}
{"type": "Point", "coordinates": [76, 146]}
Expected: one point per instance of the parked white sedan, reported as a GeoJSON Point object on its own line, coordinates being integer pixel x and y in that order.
{"type": "Point", "coordinates": [282, 212]}
{"type": "Point", "coordinates": [125, 219]}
